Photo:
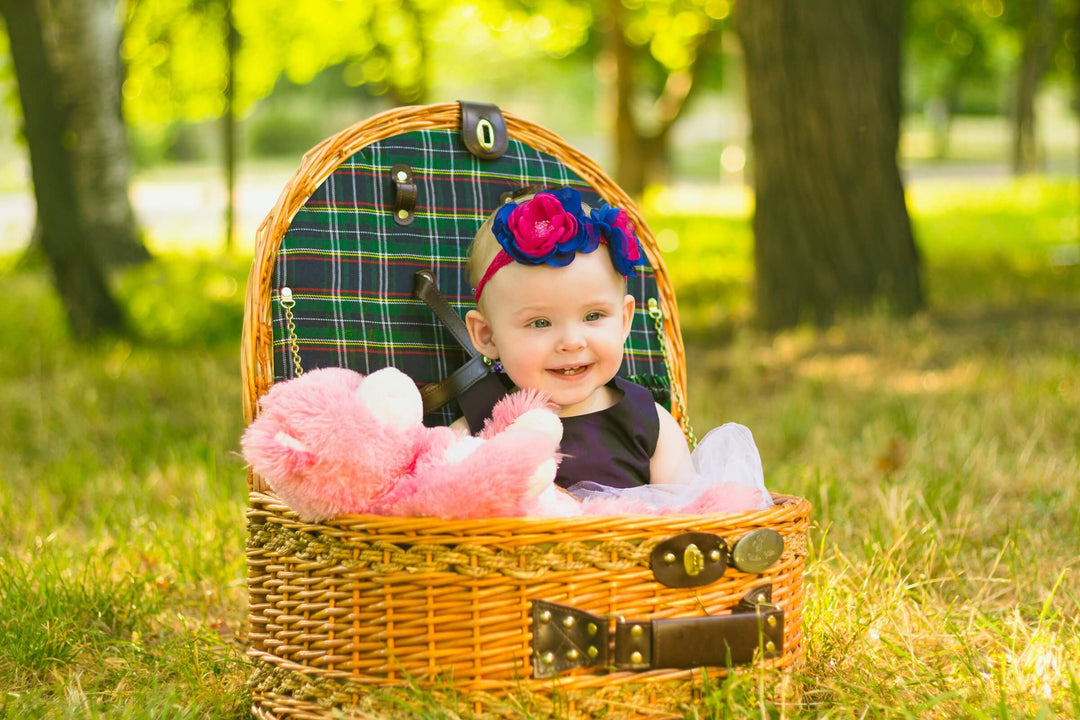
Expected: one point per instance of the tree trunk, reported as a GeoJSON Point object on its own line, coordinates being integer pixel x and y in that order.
{"type": "Point", "coordinates": [65, 232]}
{"type": "Point", "coordinates": [229, 125]}
{"type": "Point", "coordinates": [1076, 85]}
{"type": "Point", "coordinates": [84, 41]}
{"type": "Point", "coordinates": [641, 156]}
{"type": "Point", "coordinates": [831, 228]}
{"type": "Point", "coordinates": [630, 161]}
{"type": "Point", "coordinates": [1034, 59]}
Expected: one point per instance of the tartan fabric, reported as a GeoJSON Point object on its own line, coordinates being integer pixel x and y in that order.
{"type": "Point", "coordinates": [350, 266]}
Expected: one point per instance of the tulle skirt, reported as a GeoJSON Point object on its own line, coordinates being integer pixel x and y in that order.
{"type": "Point", "coordinates": [724, 475]}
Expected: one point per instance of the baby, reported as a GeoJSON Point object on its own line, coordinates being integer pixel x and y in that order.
{"type": "Point", "coordinates": [553, 312]}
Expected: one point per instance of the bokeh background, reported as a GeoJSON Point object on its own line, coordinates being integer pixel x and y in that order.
{"type": "Point", "coordinates": [869, 208]}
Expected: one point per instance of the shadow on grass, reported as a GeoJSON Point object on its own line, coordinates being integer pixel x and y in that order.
{"type": "Point", "coordinates": [967, 296]}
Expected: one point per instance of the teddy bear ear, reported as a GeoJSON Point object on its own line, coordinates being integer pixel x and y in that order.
{"type": "Point", "coordinates": [391, 396]}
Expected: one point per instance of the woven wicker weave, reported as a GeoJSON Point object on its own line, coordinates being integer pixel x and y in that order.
{"type": "Point", "coordinates": [350, 615]}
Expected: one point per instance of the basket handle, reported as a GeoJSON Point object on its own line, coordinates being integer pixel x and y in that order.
{"type": "Point", "coordinates": [566, 638]}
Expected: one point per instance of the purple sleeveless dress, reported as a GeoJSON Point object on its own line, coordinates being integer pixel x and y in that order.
{"type": "Point", "coordinates": [611, 447]}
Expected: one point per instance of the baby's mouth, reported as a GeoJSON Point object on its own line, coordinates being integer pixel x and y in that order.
{"type": "Point", "coordinates": [570, 371]}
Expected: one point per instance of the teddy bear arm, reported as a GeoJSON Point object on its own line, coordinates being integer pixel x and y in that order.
{"type": "Point", "coordinates": [502, 477]}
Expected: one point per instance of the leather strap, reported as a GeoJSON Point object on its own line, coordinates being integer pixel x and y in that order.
{"type": "Point", "coordinates": [566, 638]}
{"type": "Point", "coordinates": [474, 375]}
{"type": "Point", "coordinates": [425, 288]}
{"type": "Point", "coordinates": [717, 641]}
{"type": "Point", "coordinates": [437, 394]}
{"type": "Point", "coordinates": [404, 194]}
{"type": "Point", "coordinates": [483, 129]}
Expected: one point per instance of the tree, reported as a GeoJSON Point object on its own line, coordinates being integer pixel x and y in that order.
{"type": "Point", "coordinates": [672, 44]}
{"type": "Point", "coordinates": [652, 57]}
{"type": "Point", "coordinates": [1039, 32]}
{"type": "Point", "coordinates": [83, 43]}
{"type": "Point", "coordinates": [78, 213]}
{"type": "Point", "coordinates": [831, 228]}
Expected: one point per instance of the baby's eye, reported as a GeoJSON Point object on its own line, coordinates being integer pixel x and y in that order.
{"type": "Point", "coordinates": [593, 316]}
{"type": "Point", "coordinates": [540, 323]}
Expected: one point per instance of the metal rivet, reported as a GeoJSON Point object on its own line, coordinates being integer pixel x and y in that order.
{"type": "Point", "coordinates": [715, 556]}
{"type": "Point", "coordinates": [770, 646]}
{"type": "Point", "coordinates": [636, 631]}
{"type": "Point", "coordinates": [573, 654]}
{"type": "Point", "coordinates": [402, 214]}
{"type": "Point", "coordinates": [402, 176]}
{"type": "Point", "coordinates": [760, 598]}
{"type": "Point", "coordinates": [592, 628]}
{"type": "Point", "coordinates": [545, 616]}
{"type": "Point", "coordinates": [568, 621]}
{"type": "Point", "coordinates": [669, 558]}
{"type": "Point", "coordinates": [548, 658]}
{"type": "Point", "coordinates": [635, 657]}
{"type": "Point", "coordinates": [772, 621]}
{"type": "Point", "coordinates": [593, 651]}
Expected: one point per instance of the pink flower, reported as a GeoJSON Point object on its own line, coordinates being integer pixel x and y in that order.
{"type": "Point", "coordinates": [624, 224]}
{"type": "Point", "coordinates": [540, 224]}
{"type": "Point", "coordinates": [617, 229]}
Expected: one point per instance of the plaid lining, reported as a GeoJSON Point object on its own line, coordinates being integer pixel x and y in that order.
{"type": "Point", "coordinates": [351, 267]}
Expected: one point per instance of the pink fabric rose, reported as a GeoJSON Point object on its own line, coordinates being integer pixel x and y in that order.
{"type": "Point", "coordinates": [624, 224]}
{"type": "Point", "coordinates": [540, 224]}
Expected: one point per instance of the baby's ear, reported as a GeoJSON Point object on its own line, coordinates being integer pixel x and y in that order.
{"type": "Point", "coordinates": [483, 339]}
{"type": "Point", "coordinates": [629, 304]}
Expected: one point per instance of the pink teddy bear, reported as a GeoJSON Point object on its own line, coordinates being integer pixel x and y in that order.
{"type": "Point", "coordinates": [333, 441]}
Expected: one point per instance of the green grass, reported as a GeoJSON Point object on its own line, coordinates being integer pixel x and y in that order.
{"type": "Point", "coordinates": [121, 514]}
{"type": "Point", "coordinates": [942, 456]}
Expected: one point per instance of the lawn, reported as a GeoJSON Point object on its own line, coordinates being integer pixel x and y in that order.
{"type": "Point", "coordinates": [942, 455]}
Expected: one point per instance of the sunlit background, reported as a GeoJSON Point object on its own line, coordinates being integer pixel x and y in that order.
{"type": "Point", "coordinates": [940, 449]}
{"type": "Point", "coordinates": [304, 71]}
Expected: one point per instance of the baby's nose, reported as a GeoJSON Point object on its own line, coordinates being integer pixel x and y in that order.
{"type": "Point", "coordinates": [573, 338]}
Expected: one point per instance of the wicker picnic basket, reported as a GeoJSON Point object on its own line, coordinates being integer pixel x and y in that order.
{"type": "Point", "coordinates": [614, 616]}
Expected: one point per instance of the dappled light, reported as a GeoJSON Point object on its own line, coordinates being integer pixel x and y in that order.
{"type": "Point", "coordinates": [936, 434]}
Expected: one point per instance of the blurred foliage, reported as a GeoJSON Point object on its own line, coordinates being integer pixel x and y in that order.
{"type": "Point", "coordinates": [7, 74]}
{"type": "Point", "coordinates": [175, 51]}
{"type": "Point", "coordinates": [545, 59]}
{"type": "Point", "coordinates": [959, 53]}
{"type": "Point", "coordinates": [962, 55]}
{"type": "Point", "coordinates": [664, 34]}
{"type": "Point", "coordinates": [670, 30]}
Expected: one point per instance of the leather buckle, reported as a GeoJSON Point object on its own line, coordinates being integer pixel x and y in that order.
{"type": "Point", "coordinates": [566, 638]}
{"type": "Point", "coordinates": [483, 129]}
{"type": "Point", "coordinates": [404, 194]}
{"type": "Point", "coordinates": [689, 559]}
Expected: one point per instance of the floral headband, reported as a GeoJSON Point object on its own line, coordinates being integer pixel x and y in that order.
{"type": "Point", "coordinates": [551, 228]}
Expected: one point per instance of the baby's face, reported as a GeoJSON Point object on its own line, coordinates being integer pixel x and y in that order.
{"type": "Point", "coordinates": [560, 329]}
